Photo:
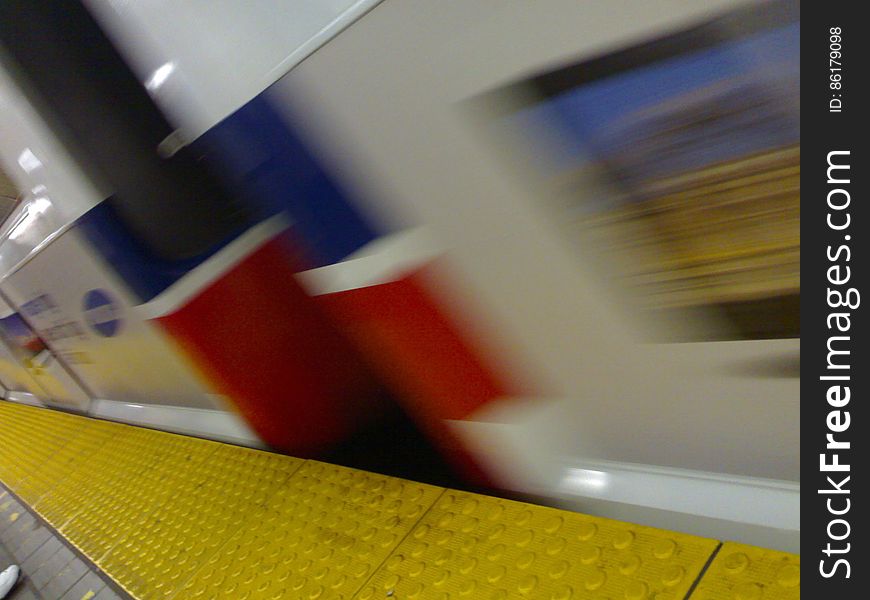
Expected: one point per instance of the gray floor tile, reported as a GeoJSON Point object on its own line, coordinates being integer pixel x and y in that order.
{"type": "Point", "coordinates": [86, 587]}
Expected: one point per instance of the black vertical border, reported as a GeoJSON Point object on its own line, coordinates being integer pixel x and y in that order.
{"type": "Point", "coordinates": [824, 131]}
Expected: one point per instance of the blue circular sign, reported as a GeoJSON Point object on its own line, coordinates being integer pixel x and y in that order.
{"type": "Point", "coordinates": [102, 312]}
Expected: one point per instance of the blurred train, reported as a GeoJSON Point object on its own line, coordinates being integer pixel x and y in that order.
{"type": "Point", "coordinates": [562, 236]}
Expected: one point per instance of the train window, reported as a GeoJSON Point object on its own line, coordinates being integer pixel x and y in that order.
{"type": "Point", "coordinates": [681, 156]}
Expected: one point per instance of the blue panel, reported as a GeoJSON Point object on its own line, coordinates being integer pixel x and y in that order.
{"type": "Point", "coordinates": [145, 273]}
{"type": "Point", "coordinates": [266, 160]}
{"type": "Point", "coordinates": [259, 157]}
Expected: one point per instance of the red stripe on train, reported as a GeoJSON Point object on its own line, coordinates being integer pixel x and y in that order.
{"type": "Point", "coordinates": [437, 368]}
{"type": "Point", "coordinates": [266, 345]}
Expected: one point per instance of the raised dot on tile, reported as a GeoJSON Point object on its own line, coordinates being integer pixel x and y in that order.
{"type": "Point", "coordinates": [496, 573]}
{"type": "Point", "coordinates": [623, 539]}
{"type": "Point", "coordinates": [558, 569]}
{"type": "Point", "coordinates": [495, 512]}
{"type": "Point", "coordinates": [442, 537]}
{"type": "Point", "coordinates": [636, 590]}
{"type": "Point", "coordinates": [595, 580]}
{"type": "Point", "coordinates": [523, 518]}
{"type": "Point", "coordinates": [587, 531]}
{"type": "Point", "coordinates": [440, 578]}
{"type": "Point", "coordinates": [496, 532]}
{"type": "Point", "coordinates": [360, 570]}
{"type": "Point", "coordinates": [556, 546]}
{"type": "Point", "coordinates": [467, 588]}
{"type": "Point", "coordinates": [469, 506]}
{"type": "Point", "coordinates": [525, 560]}
{"type": "Point", "coordinates": [443, 556]}
{"type": "Point", "coordinates": [735, 563]}
{"type": "Point", "coordinates": [664, 548]}
{"type": "Point", "coordinates": [468, 545]}
{"type": "Point", "coordinates": [673, 575]}
{"type": "Point", "coordinates": [629, 563]}
{"type": "Point", "coordinates": [525, 538]}
{"type": "Point", "coordinates": [496, 552]}
{"type": "Point", "coordinates": [527, 584]}
{"type": "Point", "coordinates": [416, 569]}
{"type": "Point", "coordinates": [413, 591]}
{"type": "Point", "coordinates": [553, 524]}
{"type": "Point", "coordinates": [563, 592]}
{"type": "Point", "coordinates": [467, 565]}
{"type": "Point", "coordinates": [590, 554]}
{"type": "Point", "coordinates": [468, 524]}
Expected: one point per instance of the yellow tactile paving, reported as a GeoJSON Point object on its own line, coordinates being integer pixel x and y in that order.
{"type": "Point", "coordinates": [320, 537]}
{"type": "Point", "coordinates": [120, 508]}
{"type": "Point", "coordinates": [741, 572]}
{"type": "Point", "coordinates": [30, 437]}
{"type": "Point", "coordinates": [471, 546]}
{"type": "Point", "coordinates": [80, 453]}
{"type": "Point", "coordinates": [176, 518]}
{"type": "Point", "coordinates": [209, 505]}
{"type": "Point", "coordinates": [120, 459]}
{"type": "Point", "coordinates": [86, 440]}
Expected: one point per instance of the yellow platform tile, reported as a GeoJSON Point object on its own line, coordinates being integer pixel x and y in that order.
{"type": "Point", "coordinates": [29, 438]}
{"type": "Point", "coordinates": [211, 503]}
{"type": "Point", "coordinates": [30, 417]}
{"type": "Point", "coordinates": [121, 457]}
{"type": "Point", "coordinates": [741, 572]}
{"type": "Point", "coordinates": [171, 517]}
{"type": "Point", "coordinates": [79, 447]}
{"type": "Point", "coordinates": [320, 537]}
{"type": "Point", "coordinates": [477, 547]}
{"type": "Point", "coordinates": [123, 501]}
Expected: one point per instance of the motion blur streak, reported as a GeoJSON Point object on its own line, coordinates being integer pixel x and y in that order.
{"type": "Point", "coordinates": [552, 245]}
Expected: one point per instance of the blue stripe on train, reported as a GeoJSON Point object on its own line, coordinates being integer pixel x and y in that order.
{"type": "Point", "coordinates": [260, 157]}
{"type": "Point", "coordinates": [145, 273]}
{"type": "Point", "coordinates": [266, 160]}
